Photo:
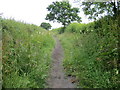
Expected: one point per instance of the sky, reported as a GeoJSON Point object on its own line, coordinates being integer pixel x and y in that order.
{"type": "Point", "coordinates": [32, 11]}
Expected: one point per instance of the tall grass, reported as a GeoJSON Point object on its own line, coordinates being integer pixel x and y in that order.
{"type": "Point", "coordinates": [26, 55]}
{"type": "Point", "coordinates": [91, 53]}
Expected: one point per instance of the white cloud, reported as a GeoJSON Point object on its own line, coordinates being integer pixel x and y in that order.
{"type": "Point", "coordinates": [29, 11]}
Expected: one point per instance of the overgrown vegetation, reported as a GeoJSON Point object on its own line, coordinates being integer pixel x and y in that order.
{"type": "Point", "coordinates": [91, 53]}
{"type": "Point", "coordinates": [26, 54]}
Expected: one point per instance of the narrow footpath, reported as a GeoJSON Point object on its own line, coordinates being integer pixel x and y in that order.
{"type": "Point", "coordinates": [57, 78]}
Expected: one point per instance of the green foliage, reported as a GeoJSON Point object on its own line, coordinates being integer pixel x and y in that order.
{"type": "Point", "coordinates": [96, 9]}
{"type": "Point", "coordinates": [26, 55]}
{"type": "Point", "coordinates": [57, 30]}
{"type": "Point", "coordinates": [46, 26]}
{"type": "Point", "coordinates": [92, 56]}
{"type": "Point", "coordinates": [62, 12]}
{"type": "Point", "coordinates": [80, 28]}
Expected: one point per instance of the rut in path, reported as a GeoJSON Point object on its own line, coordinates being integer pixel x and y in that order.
{"type": "Point", "coordinates": [57, 77]}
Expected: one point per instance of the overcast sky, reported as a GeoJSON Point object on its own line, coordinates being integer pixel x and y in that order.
{"type": "Point", "coordinates": [31, 11]}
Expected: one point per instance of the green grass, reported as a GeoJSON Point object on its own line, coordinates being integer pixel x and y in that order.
{"type": "Point", "coordinates": [26, 53]}
{"type": "Point", "coordinates": [91, 53]}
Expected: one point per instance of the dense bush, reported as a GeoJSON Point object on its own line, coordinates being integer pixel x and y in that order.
{"type": "Point", "coordinates": [26, 55]}
{"type": "Point", "coordinates": [80, 28]}
{"type": "Point", "coordinates": [92, 55]}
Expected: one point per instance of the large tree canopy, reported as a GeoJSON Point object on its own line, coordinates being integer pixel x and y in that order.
{"type": "Point", "coordinates": [95, 9]}
{"type": "Point", "coordinates": [62, 12]}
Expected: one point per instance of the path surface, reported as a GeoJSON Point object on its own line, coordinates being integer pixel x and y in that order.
{"type": "Point", "coordinates": [57, 77]}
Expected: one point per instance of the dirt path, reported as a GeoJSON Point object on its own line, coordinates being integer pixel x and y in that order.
{"type": "Point", "coordinates": [57, 77]}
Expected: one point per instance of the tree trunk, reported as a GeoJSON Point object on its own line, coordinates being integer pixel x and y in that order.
{"type": "Point", "coordinates": [118, 7]}
{"type": "Point", "coordinates": [114, 8]}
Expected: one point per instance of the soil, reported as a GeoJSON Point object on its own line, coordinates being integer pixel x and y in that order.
{"type": "Point", "coordinates": [57, 78]}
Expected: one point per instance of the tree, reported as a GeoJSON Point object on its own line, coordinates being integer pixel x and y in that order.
{"type": "Point", "coordinates": [96, 9]}
{"type": "Point", "coordinates": [62, 12]}
{"type": "Point", "coordinates": [45, 25]}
